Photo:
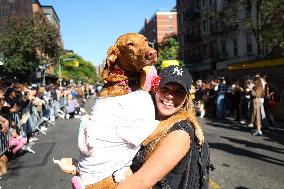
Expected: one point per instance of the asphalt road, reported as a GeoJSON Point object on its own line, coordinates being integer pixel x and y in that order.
{"type": "Point", "coordinates": [242, 161]}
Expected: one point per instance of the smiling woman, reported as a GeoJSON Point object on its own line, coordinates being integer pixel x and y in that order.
{"type": "Point", "coordinates": [162, 160]}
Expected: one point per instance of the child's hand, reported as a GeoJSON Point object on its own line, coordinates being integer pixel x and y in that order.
{"type": "Point", "coordinates": [68, 165]}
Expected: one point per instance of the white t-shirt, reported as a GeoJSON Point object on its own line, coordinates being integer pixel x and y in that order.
{"type": "Point", "coordinates": [120, 125]}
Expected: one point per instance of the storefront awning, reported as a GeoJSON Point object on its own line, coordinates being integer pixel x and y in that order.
{"type": "Point", "coordinates": [256, 64]}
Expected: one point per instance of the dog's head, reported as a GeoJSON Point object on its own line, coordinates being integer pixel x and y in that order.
{"type": "Point", "coordinates": [131, 53]}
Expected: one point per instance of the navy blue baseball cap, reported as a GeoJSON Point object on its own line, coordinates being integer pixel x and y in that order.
{"type": "Point", "coordinates": [176, 74]}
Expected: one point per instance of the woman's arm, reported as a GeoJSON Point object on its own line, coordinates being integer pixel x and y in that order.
{"type": "Point", "coordinates": [165, 157]}
{"type": "Point", "coordinates": [4, 123]}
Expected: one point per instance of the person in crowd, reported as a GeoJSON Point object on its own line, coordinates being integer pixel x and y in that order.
{"type": "Point", "coordinates": [269, 100]}
{"type": "Point", "coordinates": [246, 104]}
{"type": "Point", "coordinates": [209, 98]}
{"type": "Point", "coordinates": [221, 89]}
{"type": "Point", "coordinates": [161, 162]}
{"type": "Point", "coordinates": [199, 98]}
{"type": "Point", "coordinates": [72, 104]}
{"type": "Point", "coordinates": [258, 94]}
{"type": "Point", "coordinates": [236, 91]}
{"type": "Point", "coordinates": [16, 142]}
{"type": "Point", "coordinates": [10, 105]}
{"type": "Point", "coordinates": [4, 123]}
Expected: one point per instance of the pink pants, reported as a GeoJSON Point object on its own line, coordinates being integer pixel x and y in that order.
{"type": "Point", "coordinates": [17, 143]}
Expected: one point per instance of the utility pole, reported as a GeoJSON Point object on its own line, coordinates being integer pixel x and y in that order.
{"type": "Point", "coordinates": [59, 70]}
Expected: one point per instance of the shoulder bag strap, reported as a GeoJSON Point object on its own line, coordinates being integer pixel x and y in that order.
{"type": "Point", "coordinates": [187, 171]}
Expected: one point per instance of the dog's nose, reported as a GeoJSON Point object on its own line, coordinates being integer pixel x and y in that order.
{"type": "Point", "coordinates": [152, 54]}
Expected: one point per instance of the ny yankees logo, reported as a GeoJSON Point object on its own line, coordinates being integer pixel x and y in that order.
{"type": "Point", "coordinates": [178, 71]}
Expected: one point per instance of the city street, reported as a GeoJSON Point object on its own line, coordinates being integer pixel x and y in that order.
{"type": "Point", "coordinates": [242, 161]}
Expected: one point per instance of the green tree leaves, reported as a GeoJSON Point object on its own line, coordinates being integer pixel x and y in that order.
{"type": "Point", "coordinates": [85, 72]}
{"type": "Point", "coordinates": [27, 42]}
{"type": "Point", "coordinates": [168, 49]}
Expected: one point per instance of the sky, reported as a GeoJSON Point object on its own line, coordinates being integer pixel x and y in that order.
{"type": "Point", "coordinates": [90, 27]}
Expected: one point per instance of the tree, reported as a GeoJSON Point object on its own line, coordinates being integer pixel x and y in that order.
{"type": "Point", "coordinates": [168, 49]}
{"type": "Point", "coordinates": [76, 68]}
{"type": "Point", "coordinates": [27, 43]}
{"type": "Point", "coordinates": [264, 19]}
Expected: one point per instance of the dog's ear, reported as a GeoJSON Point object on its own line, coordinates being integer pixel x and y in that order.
{"type": "Point", "coordinates": [112, 55]}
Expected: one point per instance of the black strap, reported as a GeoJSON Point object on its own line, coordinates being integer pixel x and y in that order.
{"type": "Point", "coordinates": [187, 171]}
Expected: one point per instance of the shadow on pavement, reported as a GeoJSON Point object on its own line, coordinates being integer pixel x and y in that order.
{"type": "Point", "coordinates": [273, 135]}
{"type": "Point", "coordinates": [243, 152]}
{"type": "Point", "coordinates": [255, 145]}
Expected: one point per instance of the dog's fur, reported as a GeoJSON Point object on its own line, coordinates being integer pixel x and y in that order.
{"type": "Point", "coordinates": [4, 165]}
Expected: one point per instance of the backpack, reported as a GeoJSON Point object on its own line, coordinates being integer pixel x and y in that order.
{"type": "Point", "coordinates": [196, 174]}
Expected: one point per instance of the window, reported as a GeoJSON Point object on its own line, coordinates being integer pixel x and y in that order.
{"type": "Point", "coordinates": [203, 3]}
{"type": "Point", "coordinates": [235, 47]}
{"type": "Point", "coordinates": [204, 55]}
{"type": "Point", "coordinates": [211, 25]}
{"type": "Point", "coordinates": [199, 53]}
{"type": "Point", "coordinates": [249, 7]}
{"type": "Point", "coordinates": [204, 25]}
{"type": "Point", "coordinates": [224, 51]}
{"type": "Point", "coordinates": [210, 2]}
{"type": "Point", "coordinates": [212, 49]}
{"type": "Point", "coordinates": [249, 44]}
{"type": "Point", "coordinates": [48, 16]}
{"type": "Point", "coordinates": [170, 17]}
{"type": "Point", "coordinates": [171, 29]}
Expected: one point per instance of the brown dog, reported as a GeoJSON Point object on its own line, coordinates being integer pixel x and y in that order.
{"type": "Point", "coordinates": [4, 165]}
{"type": "Point", "coordinates": [124, 64]}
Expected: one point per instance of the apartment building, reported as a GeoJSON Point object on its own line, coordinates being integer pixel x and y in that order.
{"type": "Point", "coordinates": [19, 7]}
{"type": "Point", "coordinates": [51, 15]}
{"type": "Point", "coordinates": [204, 46]}
{"type": "Point", "coordinates": [159, 25]}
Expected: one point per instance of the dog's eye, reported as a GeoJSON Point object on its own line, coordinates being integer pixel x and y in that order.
{"type": "Point", "coordinates": [130, 44]}
{"type": "Point", "coordinates": [151, 44]}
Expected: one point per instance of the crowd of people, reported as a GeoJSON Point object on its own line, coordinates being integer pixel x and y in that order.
{"type": "Point", "coordinates": [26, 110]}
{"type": "Point", "coordinates": [249, 100]}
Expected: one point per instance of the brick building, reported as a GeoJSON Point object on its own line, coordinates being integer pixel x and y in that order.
{"type": "Point", "coordinates": [159, 25]}
{"type": "Point", "coordinates": [19, 7]}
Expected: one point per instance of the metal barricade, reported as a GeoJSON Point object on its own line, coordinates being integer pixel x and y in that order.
{"type": "Point", "coordinates": [28, 121]}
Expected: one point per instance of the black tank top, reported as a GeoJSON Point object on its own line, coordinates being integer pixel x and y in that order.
{"type": "Point", "coordinates": [174, 179]}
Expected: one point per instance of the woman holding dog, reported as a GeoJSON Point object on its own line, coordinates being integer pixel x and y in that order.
{"type": "Point", "coordinates": [162, 160]}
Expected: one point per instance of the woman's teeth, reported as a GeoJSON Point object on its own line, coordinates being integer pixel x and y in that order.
{"type": "Point", "coordinates": [167, 103]}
